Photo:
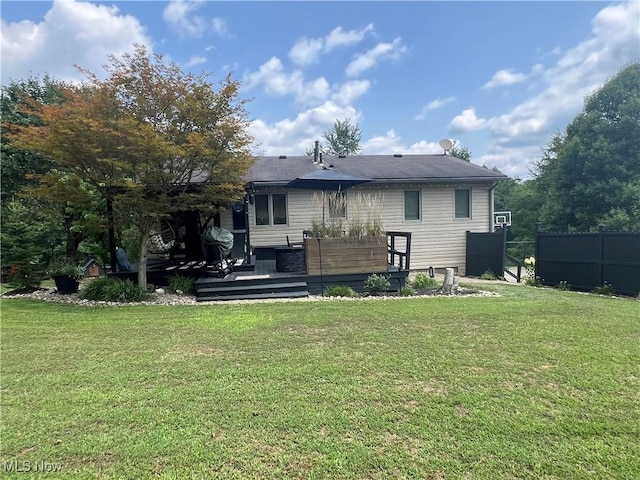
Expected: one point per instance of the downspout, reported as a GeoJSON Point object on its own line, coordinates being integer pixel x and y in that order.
{"type": "Point", "coordinates": [491, 206]}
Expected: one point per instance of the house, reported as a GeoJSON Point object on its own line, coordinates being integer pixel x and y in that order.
{"type": "Point", "coordinates": [438, 198]}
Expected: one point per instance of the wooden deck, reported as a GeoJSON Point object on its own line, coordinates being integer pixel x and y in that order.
{"type": "Point", "coordinates": [265, 282]}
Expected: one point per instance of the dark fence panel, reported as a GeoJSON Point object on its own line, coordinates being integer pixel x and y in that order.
{"type": "Point", "coordinates": [589, 260]}
{"type": "Point", "coordinates": [485, 251]}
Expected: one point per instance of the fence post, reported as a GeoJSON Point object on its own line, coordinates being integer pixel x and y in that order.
{"type": "Point", "coordinates": [536, 250]}
{"type": "Point", "coordinates": [601, 232]}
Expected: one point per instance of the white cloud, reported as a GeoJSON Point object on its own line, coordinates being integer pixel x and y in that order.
{"type": "Point", "coordinates": [294, 137]}
{"type": "Point", "coordinates": [520, 135]}
{"type": "Point", "coordinates": [505, 77]}
{"type": "Point", "coordinates": [308, 50]}
{"type": "Point", "coordinates": [279, 82]}
{"type": "Point", "coordinates": [350, 91]}
{"type": "Point", "coordinates": [371, 58]}
{"type": "Point", "coordinates": [383, 144]}
{"type": "Point", "coordinates": [219, 26]}
{"type": "Point", "coordinates": [467, 121]}
{"type": "Point", "coordinates": [338, 37]}
{"type": "Point", "coordinates": [391, 143]}
{"type": "Point", "coordinates": [71, 32]}
{"type": "Point", "coordinates": [434, 105]}
{"type": "Point", "coordinates": [179, 14]}
{"type": "Point", "coordinates": [196, 60]}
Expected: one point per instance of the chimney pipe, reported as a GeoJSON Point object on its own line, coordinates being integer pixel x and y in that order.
{"type": "Point", "coordinates": [316, 151]}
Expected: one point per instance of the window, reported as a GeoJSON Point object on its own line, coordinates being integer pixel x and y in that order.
{"type": "Point", "coordinates": [463, 203]}
{"type": "Point", "coordinates": [262, 209]}
{"type": "Point", "coordinates": [412, 205]}
{"type": "Point", "coordinates": [271, 209]}
{"type": "Point", "coordinates": [279, 203]}
{"type": "Point", "coordinates": [337, 205]}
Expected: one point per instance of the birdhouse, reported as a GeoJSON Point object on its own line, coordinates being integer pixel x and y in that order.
{"type": "Point", "coordinates": [93, 269]}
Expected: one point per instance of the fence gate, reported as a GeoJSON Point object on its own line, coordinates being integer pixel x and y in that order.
{"type": "Point", "coordinates": [486, 252]}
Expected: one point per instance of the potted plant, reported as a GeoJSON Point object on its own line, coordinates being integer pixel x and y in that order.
{"type": "Point", "coordinates": [66, 275]}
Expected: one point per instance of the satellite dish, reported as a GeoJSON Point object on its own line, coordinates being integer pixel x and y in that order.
{"type": "Point", "coordinates": [446, 144]}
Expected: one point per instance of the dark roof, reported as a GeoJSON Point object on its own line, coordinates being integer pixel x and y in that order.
{"type": "Point", "coordinates": [381, 168]}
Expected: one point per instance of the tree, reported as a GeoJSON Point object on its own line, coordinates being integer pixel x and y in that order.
{"type": "Point", "coordinates": [590, 175]}
{"type": "Point", "coordinates": [462, 153]}
{"type": "Point", "coordinates": [31, 188]}
{"type": "Point", "coordinates": [17, 164]}
{"type": "Point", "coordinates": [342, 139]}
{"type": "Point", "coordinates": [149, 137]}
{"type": "Point", "coordinates": [29, 237]}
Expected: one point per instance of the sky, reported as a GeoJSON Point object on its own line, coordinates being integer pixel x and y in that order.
{"type": "Point", "coordinates": [499, 78]}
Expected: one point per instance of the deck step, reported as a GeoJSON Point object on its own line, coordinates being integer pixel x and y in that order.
{"type": "Point", "coordinates": [253, 296]}
{"type": "Point", "coordinates": [258, 288]}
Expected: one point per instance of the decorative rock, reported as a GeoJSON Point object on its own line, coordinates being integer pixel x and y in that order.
{"type": "Point", "coordinates": [160, 291]}
{"type": "Point", "coordinates": [179, 292]}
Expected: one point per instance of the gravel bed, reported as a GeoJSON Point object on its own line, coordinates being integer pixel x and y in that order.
{"type": "Point", "coordinates": [167, 298]}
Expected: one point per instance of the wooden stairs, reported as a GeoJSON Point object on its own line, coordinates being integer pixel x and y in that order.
{"type": "Point", "coordinates": [248, 288]}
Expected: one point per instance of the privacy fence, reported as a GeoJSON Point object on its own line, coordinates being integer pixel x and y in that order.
{"type": "Point", "coordinates": [589, 260]}
{"type": "Point", "coordinates": [486, 253]}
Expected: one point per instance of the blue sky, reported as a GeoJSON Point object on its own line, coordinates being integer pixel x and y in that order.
{"type": "Point", "coordinates": [499, 78]}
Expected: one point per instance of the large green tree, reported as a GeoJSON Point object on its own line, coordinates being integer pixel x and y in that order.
{"type": "Point", "coordinates": [18, 165]}
{"type": "Point", "coordinates": [343, 138]}
{"type": "Point", "coordinates": [590, 174]}
{"type": "Point", "coordinates": [151, 138]}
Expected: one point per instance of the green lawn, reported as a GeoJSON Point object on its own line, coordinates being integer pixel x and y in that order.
{"type": "Point", "coordinates": [536, 384]}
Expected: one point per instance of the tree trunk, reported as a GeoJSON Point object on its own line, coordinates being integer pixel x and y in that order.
{"type": "Point", "coordinates": [145, 229]}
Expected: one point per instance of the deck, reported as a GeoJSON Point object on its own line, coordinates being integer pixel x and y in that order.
{"type": "Point", "coordinates": [258, 280]}
{"type": "Point", "coordinates": [265, 282]}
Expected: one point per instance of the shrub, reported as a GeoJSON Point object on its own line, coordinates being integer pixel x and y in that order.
{"type": "Point", "coordinates": [95, 289]}
{"type": "Point", "coordinates": [182, 283]}
{"type": "Point", "coordinates": [564, 286]}
{"type": "Point", "coordinates": [340, 291]}
{"type": "Point", "coordinates": [407, 291]}
{"type": "Point", "coordinates": [125, 291]}
{"type": "Point", "coordinates": [605, 289]}
{"type": "Point", "coordinates": [377, 284]}
{"type": "Point", "coordinates": [422, 281]}
{"type": "Point", "coordinates": [113, 290]}
{"type": "Point", "coordinates": [532, 281]}
{"type": "Point", "coordinates": [488, 275]}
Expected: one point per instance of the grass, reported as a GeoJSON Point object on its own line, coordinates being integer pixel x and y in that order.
{"type": "Point", "coordinates": [536, 384]}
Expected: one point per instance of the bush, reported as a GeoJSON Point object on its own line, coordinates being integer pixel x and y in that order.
{"type": "Point", "coordinates": [113, 290]}
{"type": "Point", "coordinates": [488, 275]}
{"type": "Point", "coordinates": [605, 289]}
{"type": "Point", "coordinates": [340, 291]}
{"type": "Point", "coordinates": [422, 281]}
{"type": "Point", "coordinates": [377, 284]}
{"type": "Point", "coordinates": [95, 289]}
{"type": "Point", "coordinates": [407, 291]}
{"type": "Point", "coordinates": [564, 286]}
{"type": "Point", "coordinates": [182, 283]}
